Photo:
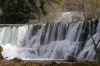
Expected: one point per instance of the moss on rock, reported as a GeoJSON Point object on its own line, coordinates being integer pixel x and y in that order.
{"type": "Point", "coordinates": [1, 49]}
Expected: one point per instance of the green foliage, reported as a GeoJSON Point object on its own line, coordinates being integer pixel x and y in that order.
{"type": "Point", "coordinates": [21, 11]}
{"type": "Point", "coordinates": [59, 2]}
{"type": "Point", "coordinates": [71, 59]}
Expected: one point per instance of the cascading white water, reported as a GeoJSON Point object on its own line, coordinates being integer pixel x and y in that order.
{"type": "Point", "coordinates": [49, 41]}
{"type": "Point", "coordinates": [70, 17]}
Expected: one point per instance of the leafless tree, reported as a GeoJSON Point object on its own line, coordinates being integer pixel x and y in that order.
{"type": "Point", "coordinates": [88, 7]}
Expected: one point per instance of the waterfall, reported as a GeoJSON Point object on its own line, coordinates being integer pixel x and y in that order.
{"type": "Point", "coordinates": [50, 41]}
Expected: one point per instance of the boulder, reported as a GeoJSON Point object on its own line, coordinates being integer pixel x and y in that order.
{"type": "Point", "coordinates": [54, 62]}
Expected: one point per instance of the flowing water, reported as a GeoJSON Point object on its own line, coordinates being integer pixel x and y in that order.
{"type": "Point", "coordinates": [50, 41]}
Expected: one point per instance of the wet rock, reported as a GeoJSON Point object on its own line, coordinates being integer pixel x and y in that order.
{"type": "Point", "coordinates": [1, 57]}
{"type": "Point", "coordinates": [16, 60]}
{"type": "Point", "coordinates": [1, 49]}
{"type": "Point", "coordinates": [54, 62]}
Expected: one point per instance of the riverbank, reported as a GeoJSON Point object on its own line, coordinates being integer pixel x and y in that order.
{"type": "Point", "coordinates": [19, 62]}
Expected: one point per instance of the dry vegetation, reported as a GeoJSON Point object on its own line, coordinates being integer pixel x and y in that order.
{"type": "Point", "coordinates": [46, 19]}
{"type": "Point", "coordinates": [90, 7]}
{"type": "Point", "coordinates": [22, 63]}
